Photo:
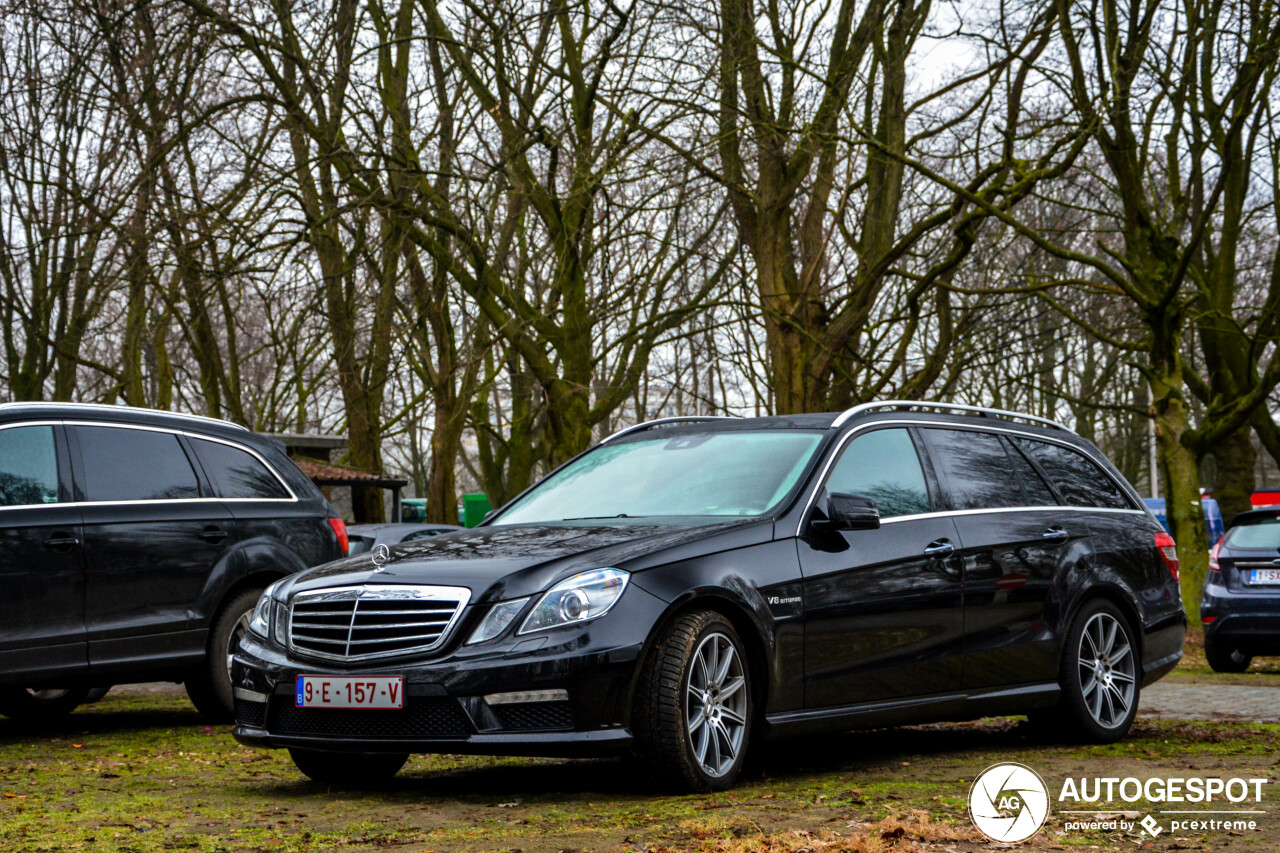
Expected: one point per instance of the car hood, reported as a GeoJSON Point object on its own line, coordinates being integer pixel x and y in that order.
{"type": "Point", "coordinates": [509, 561]}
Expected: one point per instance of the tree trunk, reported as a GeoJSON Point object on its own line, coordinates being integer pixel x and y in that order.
{"type": "Point", "coordinates": [1181, 485]}
{"type": "Point", "coordinates": [1235, 458]}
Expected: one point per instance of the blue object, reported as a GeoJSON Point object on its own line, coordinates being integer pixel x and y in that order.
{"type": "Point", "coordinates": [1213, 525]}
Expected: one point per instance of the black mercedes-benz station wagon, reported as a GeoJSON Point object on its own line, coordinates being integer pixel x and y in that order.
{"type": "Point", "coordinates": [691, 586]}
{"type": "Point", "coordinates": [134, 546]}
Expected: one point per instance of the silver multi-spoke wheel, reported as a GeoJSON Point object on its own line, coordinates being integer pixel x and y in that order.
{"type": "Point", "coordinates": [716, 704]}
{"type": "Point", "coordinates": [1107, 670]}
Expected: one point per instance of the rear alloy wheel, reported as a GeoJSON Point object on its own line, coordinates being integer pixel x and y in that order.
{"type": "Point", "coordinates": [209, 686]}
{"type": "Point", "coordinates": [692, 718]}
{"type": "Point", "coordinates": [1225, 657]}
{"type": "Point", "coordinates": [35, 706]}
{"type": "Point", "coordinates": [348, 769]}
{"type": "Point", "coordinates": [1099, 676]}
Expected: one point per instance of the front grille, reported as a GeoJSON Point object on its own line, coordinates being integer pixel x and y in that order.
{"type": "Point", "coordinates": [366, 622]}
{"type": "Point", "coordinates": [420, 718]}
{"type": "Point", "coordinates": [535, 715]}
{"type": "Point", "coordinates": [250, 714]}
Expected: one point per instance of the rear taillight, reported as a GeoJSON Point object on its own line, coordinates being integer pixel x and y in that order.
{"type": "Point", "coordinates": [1214, 565]}
{"type": "Point", "coordinates": [1168, 552]}
{"type": "Point", "coordinates": [340, 530]}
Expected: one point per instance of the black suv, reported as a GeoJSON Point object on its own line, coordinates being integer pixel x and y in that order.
{"type": "Point", "coordinates": [690, 586]}
{"type": "Point", "coordinates": [134, 545]}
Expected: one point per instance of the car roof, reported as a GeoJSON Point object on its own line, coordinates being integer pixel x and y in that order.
{"type": "Point", "coordinates": [942, 413]}
{"type": "Point", "coordinates": [1256, 515]}
{"type": "Point", "coordinates": [119, 414]}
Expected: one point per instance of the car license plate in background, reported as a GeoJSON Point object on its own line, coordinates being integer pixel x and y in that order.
{"type": "Point", "coordinates": [1265, 576]}
{"type": "Point", "coordinates": [336, 691]}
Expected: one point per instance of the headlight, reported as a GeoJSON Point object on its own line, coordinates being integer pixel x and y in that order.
{"type": "Point", "coordinates": [577, 599]}
{"type": "Point", "coordinates": [496, 621]}
{"type": "Point", "coordinates": [260, 622]}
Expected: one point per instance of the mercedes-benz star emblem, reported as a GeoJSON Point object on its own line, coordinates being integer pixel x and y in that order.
{"type": "Point", "coordinates": [380, 555]}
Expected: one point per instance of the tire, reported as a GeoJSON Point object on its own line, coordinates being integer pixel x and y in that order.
{"type": "Point", "coordinates": [37, 706]}
{"type": "Point", "coordinates": [1225, 657]}
{"type": "Point", "coordinates": [1100, 678]}
{"type": "Point", "coordinates": [692, 725]}
{"type": "Point", "coordinates": [348, 769]}
{"type": "Point", "coordinates": [209, 686]}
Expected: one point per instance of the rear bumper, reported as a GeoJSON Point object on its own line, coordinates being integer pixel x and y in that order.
{"type": "Point", "coordinates": [1249, 620]}
{"type": "Point", "coordinates": [1162, 646]}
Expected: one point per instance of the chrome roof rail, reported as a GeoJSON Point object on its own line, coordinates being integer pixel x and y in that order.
{"type": "Point", "coordinates": [846, 415]}
{"type": "Point", "coordinates": [685, 419]}
{"type": "Point", "coordinates": [106, 407]}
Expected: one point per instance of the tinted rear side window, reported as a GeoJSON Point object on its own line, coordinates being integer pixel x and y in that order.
{"type": "Point", "coordinates": [1079, 479]}
{"type": "Point", "coordinates": [884, 466]}
{"type": "Point", "coordinates": [135, 465]}
{"type": "Point", "coordinates": [976, 469]}
{"type": "Point", "coordinates": [1037, 490]}
{"type": "Point", "coordinates": [235, 473]}
{"type": "Point", "coordinates": [28, 466]}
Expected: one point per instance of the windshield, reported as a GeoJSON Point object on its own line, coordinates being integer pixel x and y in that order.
{"type": "Point", "coordinates": [1259, 535]}
{"type": "Point", "coordinates": [735, 473]}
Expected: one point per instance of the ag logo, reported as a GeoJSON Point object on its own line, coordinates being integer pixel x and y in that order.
{"type": "Point", "coordinates": [1008, 802]}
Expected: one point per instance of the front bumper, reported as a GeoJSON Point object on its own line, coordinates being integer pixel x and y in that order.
{"type": "Point", "coordinates": [445, 708]}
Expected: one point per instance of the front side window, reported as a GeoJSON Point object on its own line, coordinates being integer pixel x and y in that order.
{"type": "Point", "coordinates": [736, 473]}
{"type": "Point", "coordinates": [235, 473]}
{"type": "Point", "coordinates": [135, 465]}
{"type": "Point", "coordinates": [977, 470]}
{"type": "Point", "coordinates": [28, 466]}
{"type": "Point", "coordinates": [1079, 479]}
{"type": "Point", "coordinates": [883, 466]}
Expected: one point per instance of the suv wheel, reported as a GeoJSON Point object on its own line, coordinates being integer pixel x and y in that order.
{"type": "Point", "coordinates": [1099, 677]}
{"type": "Point", "coordinates": [1225, 658]}
{"type": "Point", "coordinates": [33, 706]}
{"type": "Point", "coordinates": [210, 685]}
{"type": "Point", "coordinates": [693, 711]}
{"type": "Point", "coordinates": [348, 769]}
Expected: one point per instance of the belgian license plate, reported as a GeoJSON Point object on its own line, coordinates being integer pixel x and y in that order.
{"type": "Point", "coordinates": [337, 691]}
{"type": "Point", "coordinates": [1264, 576]}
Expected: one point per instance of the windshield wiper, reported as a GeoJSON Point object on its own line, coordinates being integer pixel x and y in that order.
{"type": "Point", "coordinates": [604, 517]}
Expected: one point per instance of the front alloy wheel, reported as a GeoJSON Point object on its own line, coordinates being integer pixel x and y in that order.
{"type": "Point", "coordinates": [716, 705]}
{"type": "Point", "coordinates": [693, 705]}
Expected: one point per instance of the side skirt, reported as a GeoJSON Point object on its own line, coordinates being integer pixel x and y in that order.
{"type": "Point", "coordinates": [931, 708]}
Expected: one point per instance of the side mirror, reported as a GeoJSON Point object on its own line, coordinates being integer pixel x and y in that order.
{"type": "Point", "coordinates": [849, 512]}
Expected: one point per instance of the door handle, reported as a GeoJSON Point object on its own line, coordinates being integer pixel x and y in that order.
{"type": "Point", "coordinates": [213, 535]}
{"type": "Point", "coordinates": [939, 548]}
{"type": "Point", "coordinates": [61, 542]}
{"type": "Point", "coordinates": [1055, 534]}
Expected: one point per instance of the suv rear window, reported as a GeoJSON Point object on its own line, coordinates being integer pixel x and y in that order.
{"type": "Point", "coordinates": [135, 465]}
{"type": "Point", "coordinates": [1079, 479]}
{"type": "Point", "coordinates": [1261, 535]}
{"type": "Point", "coordinates": [235, 473]}
{"type": "Point", "coordinates": [28, 466]}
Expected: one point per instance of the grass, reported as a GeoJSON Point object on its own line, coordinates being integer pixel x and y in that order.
{"type": "Point", "coordinates": [135, 774]}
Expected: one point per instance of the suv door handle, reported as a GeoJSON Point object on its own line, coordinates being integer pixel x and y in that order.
{"type": "Point", "coordinates": [213, 535]}
{"type": "Point", "coordinates": [61, 542]}
{"type": "Point", "coordinates": [939, 548]}
{"type": "Point", "coordinates": [1055, 534]}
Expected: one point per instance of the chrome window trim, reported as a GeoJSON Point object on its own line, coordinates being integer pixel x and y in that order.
{"type": "Point", "coordinates": [293, 498]}
{"type": "Point", "coordinates": [821, 479]}
{"type": "Point", "coordinates": [373, 592]}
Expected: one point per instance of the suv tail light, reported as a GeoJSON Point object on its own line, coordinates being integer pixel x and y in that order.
{"type": "Point", "coordinates": [340, 530]}
{"type": "Point", "coordinates": [1168, 552]}
{"type": "Point", "coordinates": [1214, 565]}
